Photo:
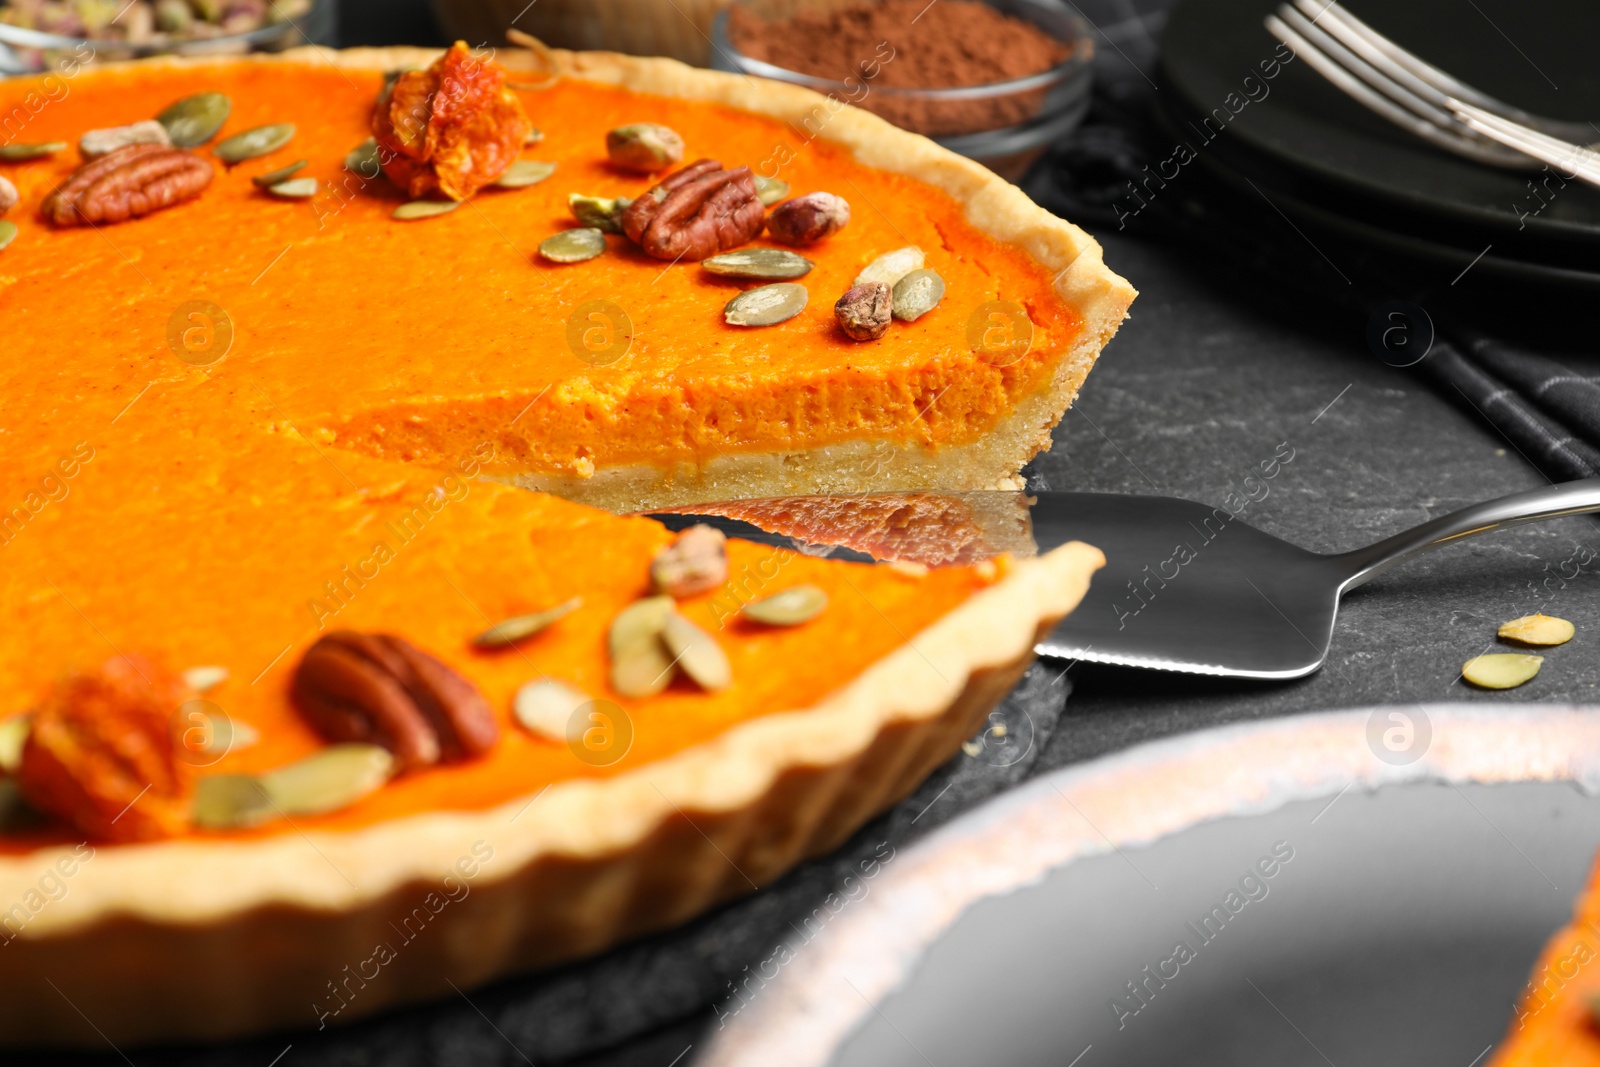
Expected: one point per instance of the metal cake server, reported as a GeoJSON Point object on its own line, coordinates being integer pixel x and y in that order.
{"type": "Point", "coordinates": [1189, 587]}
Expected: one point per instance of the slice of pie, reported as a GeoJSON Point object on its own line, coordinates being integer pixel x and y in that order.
{"type": "Point", "coordinates": [1557, 1020]}
{"type": "Point", "coordinates": [307, 714]}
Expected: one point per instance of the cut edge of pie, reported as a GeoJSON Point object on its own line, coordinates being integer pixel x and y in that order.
{"type": "Point", "coordinates": [142, 930]}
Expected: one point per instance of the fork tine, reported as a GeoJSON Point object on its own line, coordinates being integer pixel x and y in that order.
{"type": "Point", "coordinates": [1418, 72]}
{"type": "Point", "coordinates": [1434, 110]}
{"type": "Point", "coordinates": [1429, 129]}
{"type": "Point", "coordinates": [1577, 160]}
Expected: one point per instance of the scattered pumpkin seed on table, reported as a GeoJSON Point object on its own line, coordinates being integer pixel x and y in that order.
{"type": "Point", "coordinates": [8, 232]}
{"type": "Point", "coordinates": [18, 152]}
{"type": "Point", "coordinates": [333, 778]}
{"type": "Point", "coordinates": [573, 246]}
{"type": "Point", "coordinates": [545, 707]}
{"type": "Point", "coordinates": [640, 665]}
{"type": "Point", "coordinates": [252, 144]}
{"type": "Point", "coordinates": [802, 603]}
{"type": "Point", "coordinates": [1540, 629]}
{"type": "Point", "coordinates": [514, 629]}
{"type": "Point", "coordinates": [295, 189]}
{"type": "Point", "coordinates": [194, 120]}
{"type": "Point", "coordinates": [526, 172]}
{"type": "Point", "coordinates": [363, 159]}
{"type": "Point", "coordinates": [759, 263]}
{"type": "Point", "coordinates": [916, 294]}
{"type": "Point", "coordinates": [424, 209]}
{"type": "Point", "coordinates": [279, 176]}
{"type": "Point", "coordinates": [1501, 670]}
{"type": "Point", "coordinates": [697, 653]}
{"type": "Point", "coordinates": [771, 190]}
{"type": "Point", "coordinates": [766, 305]}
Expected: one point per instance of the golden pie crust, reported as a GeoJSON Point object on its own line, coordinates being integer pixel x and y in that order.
{"type": "Point", "coordinates": [198, 940]}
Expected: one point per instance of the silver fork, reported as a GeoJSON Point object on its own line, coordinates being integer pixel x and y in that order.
{"type": "Point", "coordinates": [1424, 100]}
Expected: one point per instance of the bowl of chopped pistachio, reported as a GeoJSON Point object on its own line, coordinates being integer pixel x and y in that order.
{"type": "Point", "coordinates": [43, 35]}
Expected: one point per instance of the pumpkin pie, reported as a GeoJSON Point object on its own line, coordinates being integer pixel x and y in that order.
{"type": "Point", "coordinates": [311, 710]}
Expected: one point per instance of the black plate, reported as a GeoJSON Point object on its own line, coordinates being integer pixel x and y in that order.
{"type": "Point", "coordinates": [1539, 57]}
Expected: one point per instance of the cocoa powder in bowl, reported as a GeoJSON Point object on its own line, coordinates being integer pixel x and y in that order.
{"type": "Point", "coordinates": [908, 44]}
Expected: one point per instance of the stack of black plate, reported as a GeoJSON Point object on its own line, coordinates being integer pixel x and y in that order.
{"type": "Point", "coordinates": [1243, 108]}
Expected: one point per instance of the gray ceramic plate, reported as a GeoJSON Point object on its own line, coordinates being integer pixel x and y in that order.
{"type": "Point", "coordinates": [1364, 887]}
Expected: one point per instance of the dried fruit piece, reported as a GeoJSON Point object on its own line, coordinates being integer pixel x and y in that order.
{"type": "Point", "coordinates": [802, 603]}
{"type": "Point", "coordinates": [279, 176]}
{"type": "Point", "coordinates": [8, 195]}
{"type": "Point", "coordinates": [1501, 670]}
{"type": "Point", "coordinates": [545, 707]}
{"type": "Point", "coordinates": [97, 143]}
{"type": "Point", "coordinates": [640, 666]}
{"type": "Point", "coordinates": [13, 734]}
{"type": "Point", "coordinates": [295, 189]}
{"type": "Point", "coordinates": [598, 212]}
{"type": "Point", "coordinates": [863, 312]}
{"type": "Point", "coordinates": [766, 305]}
{"type": "Point", "coordinates": [452, 128]}
{"type": "Point", "coordinates": [808, 219]}
{"type": "Point", "coordinates": [334, 778]}
{"type": "Point", "coordinates": [695, 213]}
{"type": "Point", "coordinates": [892, 266]}
{"type": "Point", "coordinates": [525, 172]}
{"type": "Point", "coordinates": [697, 653]}
{"type": "Point", "coordinates": [127, 183]}
{"type": "Point", "coordinates": [771, 190]}
{"type": "Point", "coordinates": [18, 152]}
{"type": "Point", "coordinates": [645, 147]}
{"type": "Point", "coordinates": [100, 754]}
{"type": "Point", "coordinates": [382, 689]}
{"type": "Point", "coordinates": [194, 120]}
{"type": "Point", "coordinates": [917, 294]}
{"type": "Point", "coordinates": [512, 630]}
{"type": "Point", "coordinates": [253, 144]}
{"type": "Point", "coordinates": [573, 246]}
{"type": "Point", "coordinates": [695, 562]}
{"type": "Point", "coordinates": [1540, 629]}
{"type": "Point", "coordinates": [204, 679]}
{"type": "Point", "coordinates": [759, 263]}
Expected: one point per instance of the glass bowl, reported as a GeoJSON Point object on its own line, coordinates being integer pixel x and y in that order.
{"type": "Point", "coordinates": [25, 51]}
{"type": "Point", "coordinates": [1004, 125]}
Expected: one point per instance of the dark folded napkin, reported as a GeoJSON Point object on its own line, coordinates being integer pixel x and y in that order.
{"type": "Point", "coordinates": [1546, 404]}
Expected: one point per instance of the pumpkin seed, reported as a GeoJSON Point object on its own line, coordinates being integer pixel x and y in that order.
{"type": "Point", "coordinates": [759, 263]}
{"type": "Point", "coordinates": [21, 153]}
{"type": "Point", "coordinates": [766, 305]}
{"type": "Point", "coordinates": [640, 666]}
{"type": "Point", "coordinates": [15, 814]}
{"type": "Point", "coordinates": [194, 120]}
{"type": "Point", "coordinates": [573, 246]}
{"type": "Point", "coordinates": [295, 189]}
{"type": "Point", "coordinates": [424, 209]}
{"type": "Point", "coordinates": [771, 190]}
{"type": "Point", "coordinates": [204, 679]}
{"type": "Point", "coordinates": [788, 608]}
{"type": "Point", "coordinates": [545, 707]}
{"type": "Point", "coordinates": [526, 172]}
{"type": "Point", "coordinates": [916, 294]}
{"type": "Point", "coordinates": [535, 136]}
{"type": "Point", "coordinates": [228, 734]}
{"type": "Point", "coordinates": [230, 801]}
{"type": "Point", "coordinates": [1501, 670]}
{"type": "Point", "coordinates": [13, 734]}
{"type": "Point", "coordinates": [514, 629]}
{"type": "Point", "coordinates": [363, 159]}
{"type": "Point", "coordinates": [1538, 629]}
{"type": "Point", "coordinates": [697, 653]}
{"type": "Point", "coordinates": [277, 177]}
{"type": "Point", "coordinates": [254, 143]}
{"type": "Point", "coordinates": [598, 212]}
{"type": "Point", "coordinates": [8, 232]}
{"type": "Point", "coordinates": [334, 778]}
{"type": "Point", "coordinates": [892, 266]}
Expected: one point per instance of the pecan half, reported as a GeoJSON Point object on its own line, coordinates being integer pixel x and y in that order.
{"type": "Point", "coordinates": [697, 212]}
{"type": "Point", "coordinates": [133, 180]}
{"type": "Point", "coordinates": [382, 689]}
{"type": "Point", "coordinates": [101, 756]}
